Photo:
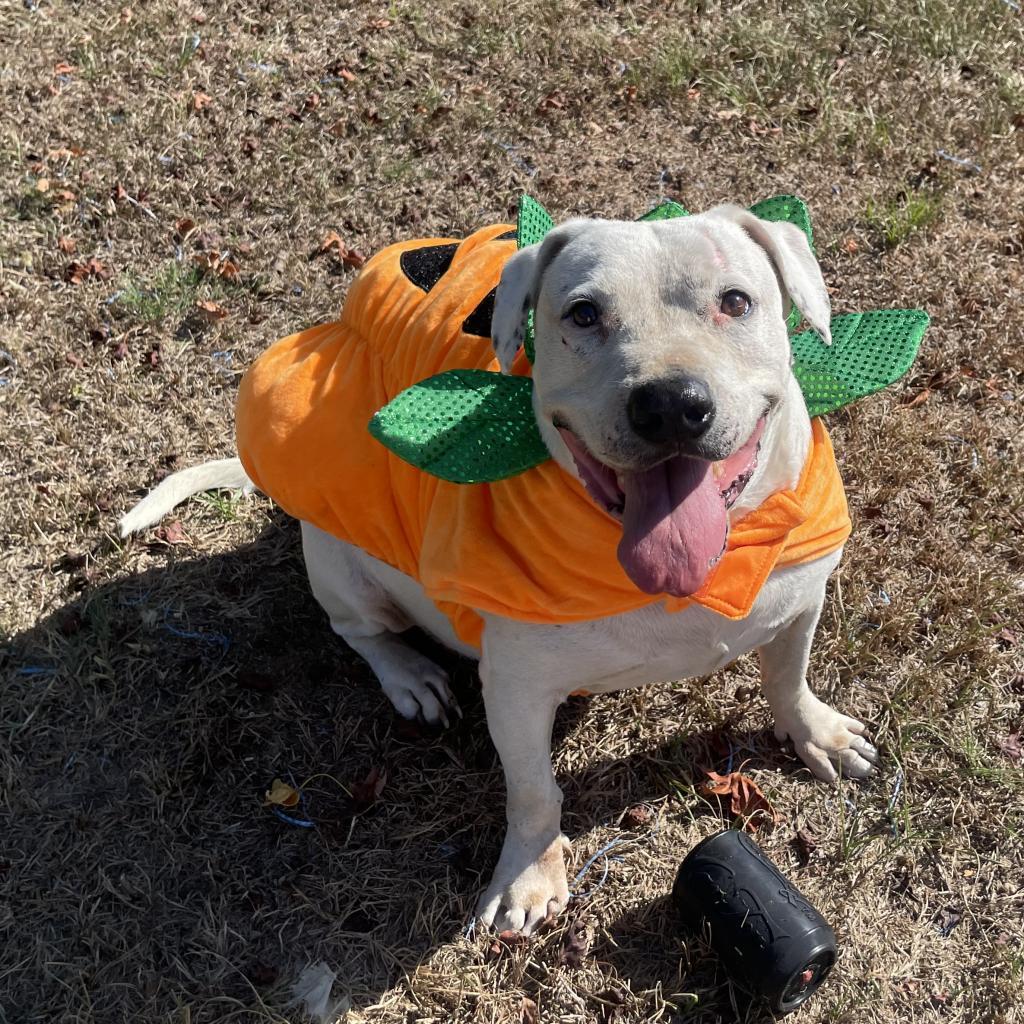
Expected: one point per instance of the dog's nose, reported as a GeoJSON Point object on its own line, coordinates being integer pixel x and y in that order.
{"type": "Point", "coordinates": [674, 409]}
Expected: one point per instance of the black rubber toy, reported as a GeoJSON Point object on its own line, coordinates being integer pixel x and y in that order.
{"type": "Point", "coordinates": [768, 937]}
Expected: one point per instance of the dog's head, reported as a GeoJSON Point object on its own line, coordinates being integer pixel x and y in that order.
{"type": "Point", "coordinates": [661, 350]}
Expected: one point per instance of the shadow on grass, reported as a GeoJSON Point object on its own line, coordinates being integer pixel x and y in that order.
{"type": "Point", "coordinates": [144, 722]}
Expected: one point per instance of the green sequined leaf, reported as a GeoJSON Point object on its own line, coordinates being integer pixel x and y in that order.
{"type": "Point", "coordinates": [788, 208]}
{"type": "Point", "coordinates": [665, 211]}
{"type": "Point", "coordinates": [533, 222]}
{"type": "Point", "coordinates": [466, 426]}
{"type": "Point", "coordinates": [869, 351]}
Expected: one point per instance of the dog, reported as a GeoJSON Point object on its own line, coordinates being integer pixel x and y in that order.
{"type": "Point", "coordinates": [663, 390]}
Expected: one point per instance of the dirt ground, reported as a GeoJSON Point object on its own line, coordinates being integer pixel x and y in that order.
{"type": "Point", "coordinates": [168, 172]}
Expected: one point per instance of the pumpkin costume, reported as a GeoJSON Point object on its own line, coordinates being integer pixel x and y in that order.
{"type": "Point", "coordinates": [532, 546]}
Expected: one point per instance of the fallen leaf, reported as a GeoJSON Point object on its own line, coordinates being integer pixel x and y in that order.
{"type": "Point", "coordinates": [172, 533]}
{"type": "Point", "coordinates": [312, 101]}
{"type": "Point", "coordinates": [745, 799]}
{"type": "Point", "coordinates": [121, 350]}
{"type": "Point", "coordinates": [347, 74]}
{"type": "Point", "coordinates": [553, 101]}
{"type": "Point", "coordinates": [637, 816]}
{"type": "Point", "coordinates": [919, 399]}
{"type": "Point", "coordinates": [43, 185]}
{"type": "Point", "coordinates": [183, 227]}
{"type": "Point", "coordinates": [332, 240]}
{"type": "Point", "coordinates": [200, 101]}
{"type": "Point", "coordinates": [353, 258]}
{"type": "Point", "coordinates": [1011, 746]}
{"type": "Point", "coordinates": [210, 311]}
{"type": "Point", "coordinates": [530, 1012]}
{"type": "Point", "coordinates": [74, 360]}
{"type": "Point", "coordinates": [850, 245]}
{"type": "Point", "coordinates": [118, 192]}
{"type": "Point", "coordinates": [66, 245]}
{"type": "Point", "coordinates": [281, 794]}
{"type": "Point", "coordinates": [366, 793]}
{"type": "Point", "coordinates": [249, 145]}
{"type": "Point", "coordinates": [379, 24]}
{"type": "Point", "coordinates": [1008, 637]}
{"type": "Point", "coordinates": [64, 68]}
{"type": "Point", "coordinates": [76, 271]}
{"type": "Point", "coordinates": [806, 842]}
{"type": "Point", "coordinates": [66, 194]}
{"type": "Point", "coordinates": [505, 941]}
{"type": "Point", "coordinates": [575, 944]}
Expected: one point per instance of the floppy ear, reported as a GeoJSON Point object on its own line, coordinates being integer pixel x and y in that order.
{"type": "Point", "coordinates": [512, 304]}
{"type": "Point", "coordinates": [796, 268]}
{"type": "Point", "coordinates": [517, 293]}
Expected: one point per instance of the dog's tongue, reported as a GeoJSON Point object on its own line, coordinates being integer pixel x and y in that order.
{"type": "Point", "coordinates": [674, 526]}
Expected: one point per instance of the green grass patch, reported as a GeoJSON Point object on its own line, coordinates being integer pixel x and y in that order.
{"type": "Point", "coordinates": [895, 221]}
{"type": "Point", "coordinates": [172, 291]}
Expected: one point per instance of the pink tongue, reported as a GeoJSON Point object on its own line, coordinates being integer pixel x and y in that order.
{"type": "Point", "coordinates": [674, 526]}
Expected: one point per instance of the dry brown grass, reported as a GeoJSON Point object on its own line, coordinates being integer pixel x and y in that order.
{"type": "Point", "coordinates": [142, 878]}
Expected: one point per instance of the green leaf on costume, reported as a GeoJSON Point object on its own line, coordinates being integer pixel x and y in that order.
{"type": "Point", "coordinates": [466, 426]}
{"type": "Point", "coordinates": [869, 351]}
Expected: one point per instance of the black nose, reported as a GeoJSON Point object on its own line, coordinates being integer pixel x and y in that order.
{"type": "Point", "coordinates": [673, 409]}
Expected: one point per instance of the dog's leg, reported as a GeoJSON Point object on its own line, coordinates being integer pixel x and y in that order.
{"type": "Point", "coordinates": [529, 882]}
{"type": "Point", "coordinates": [823, 737]}
{"type": "Point", "coordinates": [363, 615]}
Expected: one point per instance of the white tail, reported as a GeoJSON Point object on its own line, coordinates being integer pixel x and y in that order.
{"type": "Point", "coordinates": [209, 476]}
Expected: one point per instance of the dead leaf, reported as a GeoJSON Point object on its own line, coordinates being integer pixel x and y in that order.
{"type": "Point", "coordinates": [379, 24]}
{"type": "Point", "coordinates": [504, 942]}
{"type": "Point", "coordinates": [366, 793]}
{"type": "Point", "coordinates": [210, 311]}
{"type": "Point", "coordinates": [745, 799]}
{"type": "Point", "coordinates": [575, 944]}
{"type": "Point", "coordinates": [553, 101]}
{"type": "Point", "coordinates": [66, 245]}
{"type": "Point", "coordinates": [77, 271]}
{"type": "Point", "coordinates": [118, 192]}
{"type": "Point", "coordinates": [332, 240]}
{"type": "Point", "coordinates": [637, 816]}
{"type": "Point", "coordinates": [250, 145]}
{"type": "Point", "coordinates": [200, 101]}
{"type": "Point", "coordinates": [172, 533]}
{"type": "Point", "coordinates": [64, 68]}
{"type": "Point", "coordinates": [347, 74]}
{"type": "Point", "coordinates": [183, 227]}
{"type": "Point", "coordinates": [530, 1012]}
{"type": "Point", "coordinates": [217, 264]}
{"type": "Point", "coordinates": [806, 842]}
{"type": "Point", "coordinates": [850, 245]}
{"type": "Point", "coordinates": [1011, 746]}
{"type": "Point", "coordinates": [919, 399]}
{"type": "Point", "coordinates": [43, 185]}
{"type": "Point", "coordinates": [66, 195]}
{"type": "Point", "coordinates": [281, 794]}
{"type": "Point", "coordinates": [353, 258]}
{"type": "Point", "coordinates": [312, 101]}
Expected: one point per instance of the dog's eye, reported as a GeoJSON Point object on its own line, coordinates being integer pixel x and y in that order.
{"type": "Point", "coordinates": [735, 303]}
{"type": "Point", "coordinates": [584, 314]}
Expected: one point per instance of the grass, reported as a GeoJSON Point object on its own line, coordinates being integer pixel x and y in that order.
{"type": "Point", "coordinates": [153, 690]}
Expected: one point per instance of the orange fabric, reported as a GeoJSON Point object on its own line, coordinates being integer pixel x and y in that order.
{"type": "Point", "coordinates": [534, 547]}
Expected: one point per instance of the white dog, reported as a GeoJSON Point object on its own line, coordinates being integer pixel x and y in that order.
{"type": "Point", "coordinates": [662, 380]}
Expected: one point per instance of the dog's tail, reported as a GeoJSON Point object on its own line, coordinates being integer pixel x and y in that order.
{"type": "Point", "coordinates": [221, 473]}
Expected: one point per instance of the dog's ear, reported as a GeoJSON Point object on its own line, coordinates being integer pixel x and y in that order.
{"type": "Point", "coordinates": [796, 269]}
{"type": "Point", "coordinates": [517, 293]}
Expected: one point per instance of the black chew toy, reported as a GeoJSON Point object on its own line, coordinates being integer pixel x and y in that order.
{"type": "Point", "coordinates": [768, 937]}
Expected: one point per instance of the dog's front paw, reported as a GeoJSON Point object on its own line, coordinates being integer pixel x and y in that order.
{"type": "Point", "coordinates": [827, 741]}
{"type": "Point", "coordinates": [528, 886]}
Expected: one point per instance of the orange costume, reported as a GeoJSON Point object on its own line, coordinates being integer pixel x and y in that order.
{"type": "Point", "coordinates": [532, 547]}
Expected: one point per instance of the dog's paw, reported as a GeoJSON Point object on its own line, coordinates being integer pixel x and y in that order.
{"type": "Point", "coordinates": [826, 741]}
{"type": "Point", "coordinates": [528, 886]}
{"type": "Point", "coordinates": [416, 686]}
